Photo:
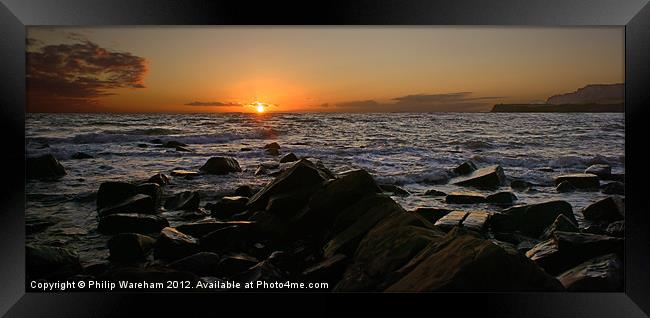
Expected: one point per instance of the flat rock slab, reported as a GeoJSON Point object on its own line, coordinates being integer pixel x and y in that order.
{"type": "Point", "coordinates": [579, 180]}
{"type": "Point", "coordinates": [601, 274]}
{"type": "Point", "coordinates": [485, 178]}
{"type": "Point", "coordinates": [454, 218]}
{"type": "Point", "coordinates": [476, 221]}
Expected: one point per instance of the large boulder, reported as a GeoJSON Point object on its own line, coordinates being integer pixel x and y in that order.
{"type": "Point", "coordinates": [302, 174]}
{"type": "Point", "coordinates": [566, 250]}
{"type": "Point", "coordinates": [601, 274]}
{"type": "Point", "coordinates": [290, 157]}
{"type": "Point", "coordinates": [387, 247]}
{"type": "Point", "coordinates": [607, 210]}
{"type": "Point", "coordinates": [465, 168]}
{"type": "Point", "coordinates": [221, 165]}
{"type": "Point", "coordinates": [460, 261]}
{"type": "Point", "coordinates": [579, 180]}
{"type": "Point", "coordinates": [172, 244]}
{"type": "Point", "coordinates": [614, 187]}
{"type": "Point", "coordinates": [465, 198]}
{"type": "Point", "coordinates": [139, 203]}
{"type": "Point", "coordinates": [228, 206]}
{"type": "Point", "coordinates": [49, 262]}
{"type": "Point", "coordinates": [129, 247]}
{"type": "Point", "coordinates": [601, 170]}
{"type": "Point", "coordinates": [153, 190]}
{"type": "Point", "coordinates": [561, 223]}
{"type": "Point", "coordinates": [485, 178]}
{"type": "Point", "coordinates": [136, 223]}
{"type": "Point", "coordinates": [186, 200]}
{"type": "Point", "coordinates": [45, 167]}
{"type": "Point", "coordinates": [202, 263]}
{"type": "Point", "coordinates": [531, 219]}
{"type": "Point", "coordinates": [113, 192]}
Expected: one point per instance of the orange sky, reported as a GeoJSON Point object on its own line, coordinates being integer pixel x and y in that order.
{"type": "Point", "coordinates": [227, 69]}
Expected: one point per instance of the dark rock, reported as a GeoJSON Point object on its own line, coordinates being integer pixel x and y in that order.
{"type": "Point", "coordinates": [160, 179]}
{"type": "Point", "coordinates": [45, 167]}
{"type": "Point", "coordinates": [431, 214]}
{"type": "Point", "coordinates": [112, 193]}
{"type": "Point", "coordinates": [435, 193]}
{"type": "Point", "coordinates": [466, 167]}
{"type": "Point", "coordinates": [476, 221]}
{"type": "Point", "coordinates": [226, 207]}
{"type": "Point", "coordinates": [502, 198]}
{"type": "Point", "coordinates": [129, 247]}
{"type": "Point", "coordinates": [261, 171]}
{"type": "Point", "coordinates": [520, 185]}
{"type": "Point", "coordinates": [391, 244]}
{"type": "Point", "coordinates": [395, 190]}
{"type": "Point", "coordinates": [82, 155]}
{"type": "Point", "coordinates": [601, 274]}
{"type": "Point", "coordinates": [202, 263]}
{"type": "Point", "coordinates": [272, 152]}
{"type": "Point", "coordinates": [452, 219]}
{"type": "Point", "coordinates": [137, 223]}
{"type": "Point", "coordinates": [531, 219]}
{"type": "Point", "coordinates": [157, 141]}
{"type": "Point", "coordinates": [48, 262]}
{"type": "Point", "coordinates": [143, 145]}
{"type": "Point", "coordinates": [579, 180]}
{"type": "Point", "coordinates": [245, 149]}
{"type": "Point", "coordinates": [484, 178]}
{"type": "Point", "coordinates": [614, 188]}
{"type": "Point", "coordinates": [232, 238]}
{"type": "Point", "coordinates": [565, 186]}
{"type": "Point", "coordinates": [231, 265]}
{"type": "Point", "coordinates": [290, 157]}
{"type": "Point", "coordinates": [244, 191]}
{"type": "Point", "coordinates": [199, 229]}
{"type": "Point", "coordinates": [464, 198]}
{"type": "Point", "coordinates": [139, 203]}
{"type": "Point", "coordinates": [183, 149]}
{"type": "Point", "coordinates": [606, 210]}
{"type": "Point", "coordinates": [329, 270]}
{"type": "Point", "coordinates": [153, 190]}
{"type": "Point", "coordinates": [221, 165]}
{"type": "Point", "coordinates": [273, 145]}
{"type": "Point", "coordinates": [184, 173]}
{"type": "Point", "coordinates": [173, 144]}
{"type": "Point", "coordinates": [601, 170]}
{"type": "Point", "coordinates": [152, 274]}
{"type": "Point", "coordinates": [561, 223]}
{"type": "Point", "coordinates": [461, 261]}
{"type": "Point", "coordinates": [596, 228]}
{"type": "Point", "coordinates": [620, 177]}
{"type": "Point", "coordinates": [172, 245]}
{"type": "Point", "coordinates": [186, 200]}
{"type": "Point", "coordinates": [566, 250]}
{"type": "Point", "coordinates": [270, 165]}
{"type": "Point", "coordinates": [616, 229]}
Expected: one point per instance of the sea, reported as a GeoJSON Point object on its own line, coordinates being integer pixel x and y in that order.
{"type": "Point", "coordinates": [415, 151]}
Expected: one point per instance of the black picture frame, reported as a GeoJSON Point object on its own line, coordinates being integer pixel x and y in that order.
{"type": "Point", "coordinates": [634, 15]}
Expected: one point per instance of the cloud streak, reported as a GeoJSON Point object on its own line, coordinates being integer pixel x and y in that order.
{"type": "Point", "coordinates": [214, 104]}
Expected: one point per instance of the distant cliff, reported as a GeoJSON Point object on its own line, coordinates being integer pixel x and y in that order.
{"type": "Point", "coordinates": [564, 108]}
{"type": "Point", "coordinates": [591, 94]}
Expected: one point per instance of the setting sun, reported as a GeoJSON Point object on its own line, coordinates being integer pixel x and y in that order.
{"type": "Point", "coordinates": [260, 107]}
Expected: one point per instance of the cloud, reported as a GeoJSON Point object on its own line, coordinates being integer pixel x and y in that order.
{"type": "Point", "coordinates": [447, 102]}
{"type": "Point", "coordinates": [215, 104]}
{"type": "Point", "coordinates": [78, 74]}
{"type": "Point", "coordinates": [441, 98]}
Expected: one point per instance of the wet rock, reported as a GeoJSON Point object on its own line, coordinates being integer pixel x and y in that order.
{"type": "Point", "coordinates": [226, 207]}
{"type": "Point", "coordinates": [139, 203]}
{"type": "Point", "coordinates": [579, 180]}
{"type": "Point", "coordinates": [201, 228]}
{"type": "Point", "coordinates": [302, 174]}
{"type": "Point", "coordinates": [143, 145]}
{"type": "Point", "coordinates": [566, 250]}
{"type": "Point", "coordinates": [201, 264]}
{"type": "Point", "coordinates": [531, 219]}
{"type": "Point", "coordinates": [391, 244]}
{"type": "Point", "coordinates": [48, 262]}
{"type": "Point", "coordinates": [466, 167]}
{"type": "Point", "coordinates": [160, 179]}
{"type": "Point", "coordinates": [431, 214]}
{"type": "Point", "coordinates": [260, 171]}
{"type": "Point", "coordinates": [520, 185]}
{"type": "Point", "coordinates": [601, 170]}
{"type": "Point", "coordinates": [136, 223]}
{"type": "Point", "coordinates": [129, 247]}
{"type": "Point", "coordinates": [245, 149]}
{"type": "Point", "coordinates": [186, 200]}
{"type": "Point", "coordinates": [221, 165]}
{"type": "Point", "coordinates": [606, 210]}
{"type": "Point", "coordinates": [616, 229]}
{"type": "Point", "coordinates": [290, 157]}
{"type": "Point", "coordinates": [45, 167]}
{"type": "Point", "coordinates": [484, 178]}
{"type": "Point", "coordinates": [153, 190]}
{"type": "Point", "coordinates": [502, 198]}
{"type": "Point", "coordinates": [476, 221]}
{"type": "Point", "coordinates": [173, 144]}
{"type": "Point", "coordinates": [601, 274]}
{"type": "Point", "coordinates": [435, 193]}
{"type": "Point", "coordinates": [82, 155]}
{"type": "Point", "coordinates": [113, 193]}
{"type": "Point", "coordinates": [452, 219]}
{"type": "Point", "coordinates": [614, 188]}
{"type": "Point", "coordinates": [272, 152]}
{"type": "Point", "coordinates": [564, 187]}
{"type": "Point", "coordinates": [461, 261]}
{"type": "Point", "coordinates": [244, 191]}
{"type": "Point", "coordinates": [561, 223]}
{"type": "Point", "coordinates": [231, 265]}
{"type": "Point", "coordinates": [172, 245]}
{"type": "Point", "coordinates": [151, 274]}
{"type": "Point", "coordinates": [184, 173]}
{"type": "Point", "coordinates": [464, 198]}
{"type": "Point", "coordinates": [183, 149]}
{"type": "Point", "coordinates": [395, 190]}
{"type": "Point", "coordinates": [273, 145]}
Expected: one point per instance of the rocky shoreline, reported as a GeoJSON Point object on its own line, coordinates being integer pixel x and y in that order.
{"type": "Point", "coordinates": [311, 225]}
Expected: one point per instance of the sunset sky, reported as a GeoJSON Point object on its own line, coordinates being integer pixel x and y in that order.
{"type": "Point", "coordinates": [322, 69]}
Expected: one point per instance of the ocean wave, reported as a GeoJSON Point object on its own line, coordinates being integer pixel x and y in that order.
{"type": "Point", "coordinates": [472, 144]}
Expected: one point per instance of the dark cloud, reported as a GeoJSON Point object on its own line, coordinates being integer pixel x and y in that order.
{"type": "Point", "coordinates": [448, 102]}
{"type": "Point", "coordinates": [78, 74]}
{"type": "Point", "coordinates": [216, 104]}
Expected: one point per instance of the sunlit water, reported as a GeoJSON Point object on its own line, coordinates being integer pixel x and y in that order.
{"type": "Point", "coordinates": [413, 150]}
